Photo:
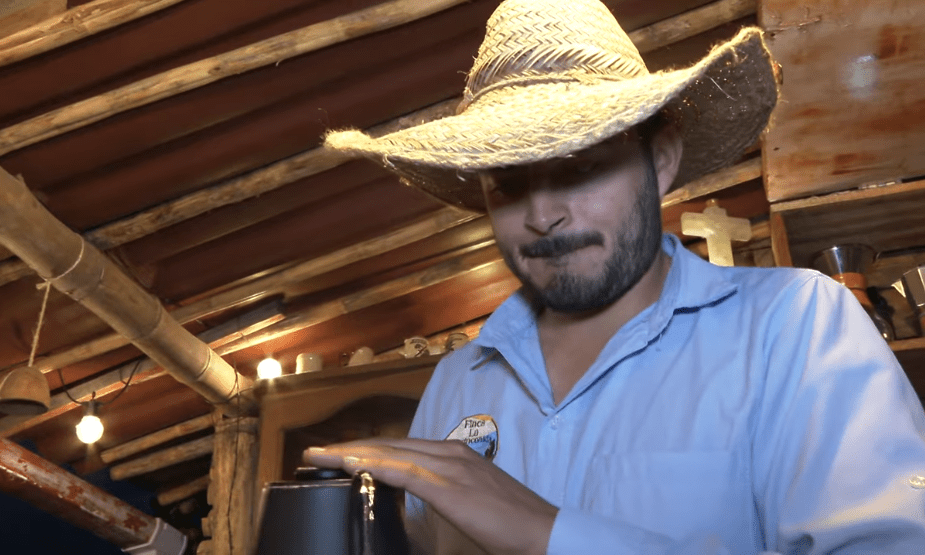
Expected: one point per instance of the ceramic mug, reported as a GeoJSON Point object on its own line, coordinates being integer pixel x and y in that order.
{"type": "Point", "coordinates": [363, 355]}
{"type": "Point", "coordinates": [456, 340]}
{"type": "Point", "coordinates": [308, 362]}
{"type": "Point", "coordinates": [415, 347]}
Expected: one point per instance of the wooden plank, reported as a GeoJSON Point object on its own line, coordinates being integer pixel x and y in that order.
{"type": "Point", "coordinates": [159, 437]}
{"type": "Point", "coordinates": [852, 108]}
{"type": "Point", "coordinates": [886, 218]}
{"type": "Point", "coordinates": [173, 82]}
{"type": "Point", "coordinates": [74, 24]}
{"type": "Point", "coordinates": [162, 459]}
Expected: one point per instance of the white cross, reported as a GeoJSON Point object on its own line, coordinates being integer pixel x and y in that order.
{"type": "Point", "coordinates": [718, 229]}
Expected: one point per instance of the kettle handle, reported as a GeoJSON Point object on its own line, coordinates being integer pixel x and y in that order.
{"type": "Point", "coordinates": [362, 513]}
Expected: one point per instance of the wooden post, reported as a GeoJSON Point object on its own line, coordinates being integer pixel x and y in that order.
{"type": "Point", "coordinates": [231, 487]}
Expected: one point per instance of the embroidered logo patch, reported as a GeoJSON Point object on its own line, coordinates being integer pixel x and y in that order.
{"type": "Point", "coordinates": [480, 433]}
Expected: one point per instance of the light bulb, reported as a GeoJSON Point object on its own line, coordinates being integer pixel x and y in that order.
{"type": "Point", "coordinates": [90, 427]}
{"type": "Point", "coordinates": [269, 368]}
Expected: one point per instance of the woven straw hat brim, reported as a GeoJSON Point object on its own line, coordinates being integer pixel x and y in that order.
{"type": "Point", "coordinates": [722, 104]}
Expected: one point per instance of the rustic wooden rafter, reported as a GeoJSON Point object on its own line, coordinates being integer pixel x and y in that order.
{"type": "Point", "coordinates": [303, 41]}
{"type": "Point", "coordinates": [197, 74]}
{"type": "Point", "coordinates": [74, 24]}
{"type": "Point", "coordinates": [250, 185]}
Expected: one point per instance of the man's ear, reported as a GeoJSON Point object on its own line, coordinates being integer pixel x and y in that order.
{"type": "Point", "coordinates": [667, 149]}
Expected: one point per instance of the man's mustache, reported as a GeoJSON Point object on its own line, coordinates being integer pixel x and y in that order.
{"type": "Point", "coordinates": [560, 245]}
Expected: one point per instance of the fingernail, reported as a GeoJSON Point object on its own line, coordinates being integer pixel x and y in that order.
{"type": "Point", "coordinates": [351, 460]}
{"type": "Point", "coordinates": [316, 450]}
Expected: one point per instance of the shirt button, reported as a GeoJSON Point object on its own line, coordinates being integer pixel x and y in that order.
{"type": "Point", "coordinates": [918, 482]}
{"type": "Point", "coordinates": [554, 422]}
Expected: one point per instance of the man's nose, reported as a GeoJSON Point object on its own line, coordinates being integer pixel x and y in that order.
{"type": "Point", "coordinates": [546, 210]}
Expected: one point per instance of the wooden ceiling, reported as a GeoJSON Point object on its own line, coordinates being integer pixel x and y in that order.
{"type": "Point", "coordinates": [183, 142]}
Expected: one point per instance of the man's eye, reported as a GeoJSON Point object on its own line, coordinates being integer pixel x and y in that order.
{"type": "Point", "coordinates": [586, 166]}
{"type": "Point", "coordinates": [508, 188]}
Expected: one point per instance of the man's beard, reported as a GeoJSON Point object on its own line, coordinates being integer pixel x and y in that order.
{"type": "Point", "coordinates": [637, 243]}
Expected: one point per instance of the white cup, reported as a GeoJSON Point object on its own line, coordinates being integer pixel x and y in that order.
{"type": "Point", "coordinates": [363, 355]}
{"type": "Point", "coordinates": [456, 340]}
{"type": "Point", "coordinates": [308, 362]}
{"type": "Point", "coordinates": [415, 347]}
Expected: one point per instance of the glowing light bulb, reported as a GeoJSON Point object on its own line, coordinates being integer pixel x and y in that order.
{"type": "Point", "coordinates": [90, 427]}
{"type": "Point", "coordinates": [269, 368]}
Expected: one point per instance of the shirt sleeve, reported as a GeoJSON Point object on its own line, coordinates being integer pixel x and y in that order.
{"type": "Point", "coordinates": [839, 442]}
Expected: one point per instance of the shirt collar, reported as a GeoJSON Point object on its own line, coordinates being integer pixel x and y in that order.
{"type": "Point", "coordinates": [692, 283]}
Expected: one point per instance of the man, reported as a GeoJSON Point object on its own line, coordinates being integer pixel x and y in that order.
{"type": "Point", "coordinates": [632, 398]}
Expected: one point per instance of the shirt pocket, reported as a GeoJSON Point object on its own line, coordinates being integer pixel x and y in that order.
{"type": "Point", "coordinates": [678, 494]}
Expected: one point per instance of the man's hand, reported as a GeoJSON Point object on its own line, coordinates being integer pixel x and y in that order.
{"type": "Point", "coordinates": [497, 512]}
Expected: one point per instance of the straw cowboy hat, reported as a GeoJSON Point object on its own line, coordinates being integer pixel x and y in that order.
{"type": "Point", "coordinates": [553, 77]}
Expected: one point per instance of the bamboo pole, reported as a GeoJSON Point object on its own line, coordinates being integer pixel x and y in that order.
{"type": "Point", "coordinates": [191, 76]}
{"type": "Point", "coordinates": [138, 371]}
{"type": "Point", "coordinates": [179, 493]}
{"type": "Point", "coordinates": [419, 229]}
{"type": "Point", "coordinates": [74, 24]}
{"type": "Point", "coordinates": [82, 272]}
{"type": "Point", "coordinates": [714, 182]}
{"type": "Point", "coordinates": [159, 437]}
{"type": "Point", "coordinates": [162, 459]}
{"type": "Point", "coordinates": [250, 185]}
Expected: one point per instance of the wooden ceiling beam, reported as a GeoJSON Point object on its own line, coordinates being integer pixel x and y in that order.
{"type": "Point", "coordinates": [74, 24]}
{"type": "Point", "coordinates": [159, 437]}
{"type": "Point", "coordinates": [82, 272]}
{"type": "Point", "coordinates": [258, 182]}
{"type": "Point", "coordinates": [210, 70]}
{"type": "Point", "coordinates": [25, 475]}
{"type": "Point", "coordinates": [302, 41]}
{"type": "Point", "coordinates": [475, 258]}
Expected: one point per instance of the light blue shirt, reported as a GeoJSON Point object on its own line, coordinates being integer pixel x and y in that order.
{"type": "Point", "coordinates": [748, 410]}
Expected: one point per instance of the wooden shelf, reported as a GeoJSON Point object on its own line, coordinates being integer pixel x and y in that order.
{"type": "Point", "coordinates": [891, 217]}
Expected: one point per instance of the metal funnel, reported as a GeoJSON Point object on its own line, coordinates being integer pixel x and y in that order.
{"type": "Point", "coordinates": [844, 259]}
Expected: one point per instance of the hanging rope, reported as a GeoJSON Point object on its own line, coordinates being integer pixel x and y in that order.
{"type": "Point", "coordinates": [38, 327]}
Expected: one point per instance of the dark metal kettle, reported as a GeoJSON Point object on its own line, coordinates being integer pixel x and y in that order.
{"type": "Point", "coordinates": [328, 512]}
